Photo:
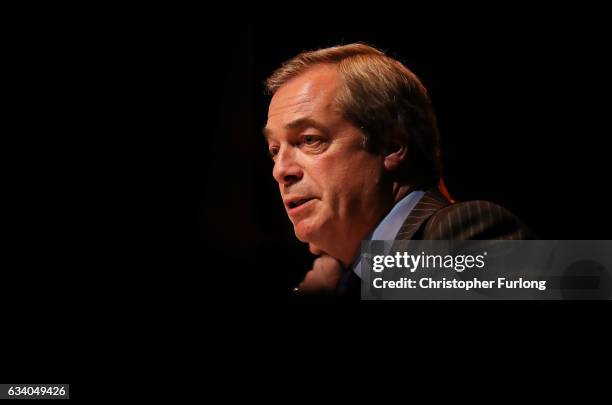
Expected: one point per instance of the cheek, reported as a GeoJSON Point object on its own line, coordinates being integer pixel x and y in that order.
{"type": "Point", "coordinates": [352, 183]}
{"type": "Point", "coordinates": [345, 182]}
{"type": "Point", "coordinates": [333, 176]}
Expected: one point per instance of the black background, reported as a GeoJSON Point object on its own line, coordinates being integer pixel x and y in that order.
{"type": "Point", "coordinates": [138, 185]}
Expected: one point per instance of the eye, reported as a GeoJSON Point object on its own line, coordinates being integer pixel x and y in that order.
{"type": "Point", "coordinates": [273, 151]}
{"type": "Point", "coordinates": [310, 139]}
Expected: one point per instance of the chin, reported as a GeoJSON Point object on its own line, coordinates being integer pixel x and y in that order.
{"type": "Point", "coordinates": [305, 231]}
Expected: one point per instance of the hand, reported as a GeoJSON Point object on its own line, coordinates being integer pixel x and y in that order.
{"type": "Point", "coordinates": [324, 276]}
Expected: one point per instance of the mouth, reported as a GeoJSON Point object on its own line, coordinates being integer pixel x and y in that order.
{"type": "Point", "coordinates": [297, 203]}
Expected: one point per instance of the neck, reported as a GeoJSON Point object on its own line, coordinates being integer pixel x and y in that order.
{"type": "Point", "coordinates": [398, 191]}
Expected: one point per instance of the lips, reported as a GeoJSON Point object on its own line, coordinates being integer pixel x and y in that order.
{"type": "Point", "coordinates": [294, 203]}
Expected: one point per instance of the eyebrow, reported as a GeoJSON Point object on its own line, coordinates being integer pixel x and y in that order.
{"type": "Point", "coordinates": [298, 123]}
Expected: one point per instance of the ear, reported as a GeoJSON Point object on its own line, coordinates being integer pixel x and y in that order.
{"type": "Point", "coordinates": [394, 155]}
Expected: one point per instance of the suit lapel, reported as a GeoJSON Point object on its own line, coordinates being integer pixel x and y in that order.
{"type": "Point", "coordinates": [431, 202]}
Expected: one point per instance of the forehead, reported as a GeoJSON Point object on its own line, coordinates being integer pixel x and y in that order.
{"type": "Point", "coordinates": [310, 94]}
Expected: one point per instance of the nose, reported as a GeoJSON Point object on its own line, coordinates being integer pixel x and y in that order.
{"type": "Point", "coordinates": [286, 169]}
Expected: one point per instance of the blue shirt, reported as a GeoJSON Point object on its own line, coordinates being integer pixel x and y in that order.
{"type": "Point", "coordinates": [388, 228]}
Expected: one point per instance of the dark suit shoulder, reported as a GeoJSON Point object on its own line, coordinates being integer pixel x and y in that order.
{"type": "Point", "coordinates": [474, 220]}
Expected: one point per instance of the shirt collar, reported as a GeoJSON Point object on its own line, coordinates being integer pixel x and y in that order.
{"type": "Point", "coordinates": [388, 228]}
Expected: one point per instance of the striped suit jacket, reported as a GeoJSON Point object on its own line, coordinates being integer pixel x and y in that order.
{"type": "Point", "coordinates": [436, 218]}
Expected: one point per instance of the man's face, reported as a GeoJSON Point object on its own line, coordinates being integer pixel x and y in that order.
{"type": "Point", "coordinates": [329, 183]}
